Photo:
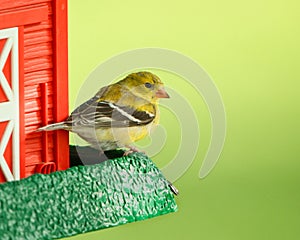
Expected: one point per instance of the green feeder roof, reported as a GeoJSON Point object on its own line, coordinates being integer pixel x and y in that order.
{"type": "Point", "coordinates": [84, 198]}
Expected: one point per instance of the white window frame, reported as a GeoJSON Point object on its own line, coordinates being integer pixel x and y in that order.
{"type": "Point", "coordinates": [9, 111]}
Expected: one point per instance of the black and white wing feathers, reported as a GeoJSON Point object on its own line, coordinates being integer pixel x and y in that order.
{"type": "Point", "coordinates": [105, 114]}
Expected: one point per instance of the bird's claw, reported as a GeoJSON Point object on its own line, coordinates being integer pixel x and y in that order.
{"type": "Point", "coordinates": [131, 150]}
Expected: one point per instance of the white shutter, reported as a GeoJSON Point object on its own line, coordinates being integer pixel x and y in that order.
{"type": "Point", "coordinates": [9, 110]}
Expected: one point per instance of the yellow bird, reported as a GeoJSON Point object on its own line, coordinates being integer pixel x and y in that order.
{"type": "Point", "coordinates": [119, 114]}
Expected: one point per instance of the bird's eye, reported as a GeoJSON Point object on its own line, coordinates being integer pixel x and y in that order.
{"type": "Point", "coordinates": [148, 85]}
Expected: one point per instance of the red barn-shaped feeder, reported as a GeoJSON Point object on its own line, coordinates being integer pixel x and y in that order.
{"type": "Point", "coordinates": [33, 87]}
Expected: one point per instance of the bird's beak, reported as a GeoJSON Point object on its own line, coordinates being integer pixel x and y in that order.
{"type": "Point", "coordinates": [161, 93]}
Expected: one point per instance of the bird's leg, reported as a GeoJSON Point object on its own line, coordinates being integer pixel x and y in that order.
{"type": "Point", "coordinates": [132, 149]}
{"type": "Point", "coordinates": [101, 153]}
{"type": "Point", "coordinates": [97, 147]}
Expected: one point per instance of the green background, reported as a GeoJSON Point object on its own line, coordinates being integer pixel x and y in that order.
{"type": "Point", "coordinates": [251, 50]}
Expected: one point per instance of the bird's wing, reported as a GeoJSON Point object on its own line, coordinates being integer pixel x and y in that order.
{"type": "Point", "coordinates": [95, 113]}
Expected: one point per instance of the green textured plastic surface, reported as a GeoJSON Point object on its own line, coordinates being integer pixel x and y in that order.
{"type": "Point", "coordinates": [84, 198]}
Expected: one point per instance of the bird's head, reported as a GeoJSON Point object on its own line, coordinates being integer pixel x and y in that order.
{"type": "Point", "coordinates": [145, 85]}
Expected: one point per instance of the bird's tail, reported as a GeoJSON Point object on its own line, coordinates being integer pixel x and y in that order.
{"type": "Point", "coordinates": [52, 127]}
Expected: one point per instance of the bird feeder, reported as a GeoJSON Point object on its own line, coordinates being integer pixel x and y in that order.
{"type": "Point", "coordinates": [33, 87]}
{"type": "Point", "coordinates": [46, 203]}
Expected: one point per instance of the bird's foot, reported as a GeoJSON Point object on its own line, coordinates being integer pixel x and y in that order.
{"type": "Point", "coordinates": [101, 153]}
{"type": "Point", "coordinates": [132, 149]}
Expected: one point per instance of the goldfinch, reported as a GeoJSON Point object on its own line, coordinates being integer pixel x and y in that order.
{"type": "Point", "coordinates": [119, 114]}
